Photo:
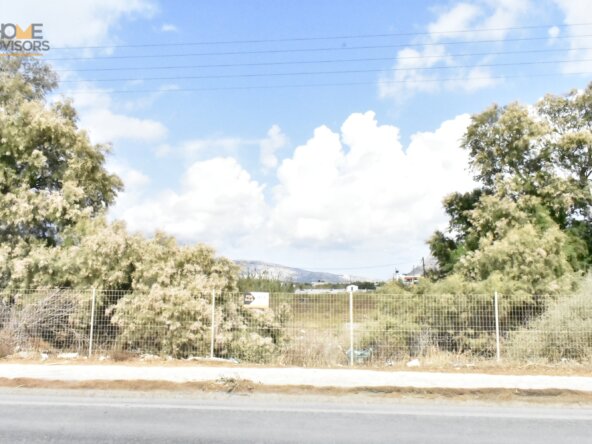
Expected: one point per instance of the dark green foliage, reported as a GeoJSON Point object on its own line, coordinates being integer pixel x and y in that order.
{"type": "Point", "coordinates": [531, 170]}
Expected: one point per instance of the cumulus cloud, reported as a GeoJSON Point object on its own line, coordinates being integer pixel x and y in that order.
{"type": "Point", "coordinates": [482, 20]}
{"type": "Point", "coordinates": [135, 182]}
{"type": "Point", "coordinates": [356, 189]}
{"type": "Point", "coordinates": [579, 54]}
{"type": "Point", "coordinates": [360, 187]}
{"type": "Point", "coordinates": [458, 17]}
{"type": "Point", "coordinates": [103, 124]}
{"type": "Point", "coordinates": [78, 23]}
{"type": "Point", "coordinates": [268, 147]}
{"type": "Point", "coordinates": [217, 202]}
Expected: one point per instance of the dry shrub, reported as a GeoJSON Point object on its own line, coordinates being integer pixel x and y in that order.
{"type": "Point", "coordinates": [44, 320]}
{"type": "Point", "coordinates": [6, 347]}
{"type": "Point", "coordinates": [313, 348]}
{"type": "Point", "coordinates": [563, 332]}
{"type": "Point", "coordinates": [165, 321]}
{"type": "Point", "coordinates": [176, 322]}
{"type": "Point", "coordinates": [121, 355]}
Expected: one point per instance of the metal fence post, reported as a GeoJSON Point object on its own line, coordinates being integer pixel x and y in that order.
{"type": "Point", "coordinates": [351, 328]}
{"type": "Point", "coordinates": [497, 329]}
{"type": "Point", "coordinates": [213, 323]}
{"type": "Point", "coordinates": [92, 321]}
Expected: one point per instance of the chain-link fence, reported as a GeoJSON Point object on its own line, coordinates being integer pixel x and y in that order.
{"type": "Point", "coordinates": [358, 328]}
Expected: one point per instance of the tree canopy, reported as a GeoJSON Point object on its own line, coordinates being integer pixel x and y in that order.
{"type": "Point", "coordinates": [51, 175]}
{"type": "Point", "coordinates": [54, 193]}
{"type": "Point", "coordinates": [533, 203]}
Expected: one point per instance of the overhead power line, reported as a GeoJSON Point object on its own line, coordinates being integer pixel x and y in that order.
{"type": "Point", "coordinates": [318, 61]}
{"type": "Point", "coordinates": [302, 73]}
{"type": "Point", "coordinates": [321, 38]}
{"type": "Point", "coordinates": [303, 50]}
{"type": "Point", "coordinates": [306, 85]}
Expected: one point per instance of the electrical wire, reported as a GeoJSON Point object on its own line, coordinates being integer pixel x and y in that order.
{"type": "Point", "coordinates": [305, 85]}
{"type": "Point", "coordinates": [324, 61]}
{"type": "Point", "coordinates": [301, 73]}
{"type": "Point", "coordinates": [303, 50]}
{"type": "Point", "coordinates": [318, 38]}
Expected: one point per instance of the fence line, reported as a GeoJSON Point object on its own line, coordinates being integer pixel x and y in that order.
{"type": "Point", "coordinates": [92, 321]}
{"type": "Point", "coordinates": [213, 331]}
{"type": "Point", "coordinates": [296, 329]}
{"type": "Point", "coordinates": [497, 330]}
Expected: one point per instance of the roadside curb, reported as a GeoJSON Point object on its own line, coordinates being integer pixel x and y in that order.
{"type": "Point", "coordinates": [317, 378]}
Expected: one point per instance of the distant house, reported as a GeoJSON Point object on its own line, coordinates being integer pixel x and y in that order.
{"type": "Point", "coordinates": [409, 279]}
{"type": "Point", "coordinates": [351, 288]}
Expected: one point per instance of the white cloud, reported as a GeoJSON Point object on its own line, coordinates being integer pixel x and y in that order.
{"type": "Point", "coordinates": [506, 14]}
{"type": "Point", "coordinates": [75, 22]}
{"type": "Point", "coordinates": [474, 79]}
{"type": "Point", "coordinates": [361, 188]}
{"type": "Point", "coordinates": [200, 148]}
{"type": "Point", "coordinates": [459, 17]}
{"type": "Point", "coordinates": [94, 22]}
{"type": "Point", "coordinates": [576, 11]}
{"type": "Point", "coordinates": [553, 32]}
{"type": "Point", "coordinates": [135, 183]}
{"type": "Point", "coordinates": [217, 203]}
{"type": "Point", "coordinates": [268, 147]}
{"type": "Point", "coordinates": [482, 20]}
{"type": "Point", "coordinates": [168, 27]}
{"type": "Point", "coordinates": [195, 147]}
{"type": "Point", "coordinates": [340, 193]}
{"type": "Point", "coordinates": [103, 124]}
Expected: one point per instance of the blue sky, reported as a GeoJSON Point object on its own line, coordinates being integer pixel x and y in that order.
{"type": "Point", "coordinates": [344, 176]}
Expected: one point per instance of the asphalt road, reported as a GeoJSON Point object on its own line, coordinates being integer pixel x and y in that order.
{"type": "Point", "coordinates": [35, 416]}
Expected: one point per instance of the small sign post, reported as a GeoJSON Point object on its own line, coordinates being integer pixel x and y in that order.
{"type": "Point", "coordinates": [256, 299]}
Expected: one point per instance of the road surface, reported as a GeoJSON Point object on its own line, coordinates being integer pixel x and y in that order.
{"type": "Point", "coordinates": [70, 416]}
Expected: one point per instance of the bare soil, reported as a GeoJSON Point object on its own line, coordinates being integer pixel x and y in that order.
{"type": "Point", "coordinates": [241, 386]}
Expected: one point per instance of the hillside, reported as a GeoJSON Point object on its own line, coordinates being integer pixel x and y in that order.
{"type": "Point", "coordinates": [291, 274]}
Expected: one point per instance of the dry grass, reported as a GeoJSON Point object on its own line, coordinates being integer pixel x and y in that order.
{"type": "Point", "coordinates": [314, 348]}
{"type": "Point", "coordinates": [6, 345]}
{"type": "Point", "coordinates": [241, 386]}
{"type": "Point", "coordinates": [5, 349]}
{"type": "Point", "coordinates": [121, 356]}
{"type": "Point", "coordinates": [43, 321]}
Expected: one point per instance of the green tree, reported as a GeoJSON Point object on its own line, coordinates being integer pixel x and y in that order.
{"type": "Point", "coordinates": [538, 159]}
{"type": "Point", "coordinates": [51, 176]}
{"type": "Point", "coordinates": [54, 193]}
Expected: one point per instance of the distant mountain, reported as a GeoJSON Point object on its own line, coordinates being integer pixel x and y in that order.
{"type": "Point", "coordinates": [291, 274]}
{"type": "Point", "coordinates": [430, 264]}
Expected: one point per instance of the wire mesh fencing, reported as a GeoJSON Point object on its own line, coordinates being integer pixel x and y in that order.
{"type": "Point", "coordinates": [317, 330]}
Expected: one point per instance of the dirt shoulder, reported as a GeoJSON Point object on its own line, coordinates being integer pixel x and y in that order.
{"type": "Point", "coordinates": [245, 387]}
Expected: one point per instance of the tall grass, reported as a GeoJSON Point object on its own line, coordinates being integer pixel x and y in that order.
{"type": "Point", "coordinates": [563, 332]}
